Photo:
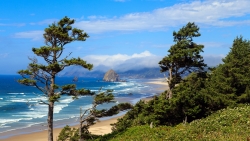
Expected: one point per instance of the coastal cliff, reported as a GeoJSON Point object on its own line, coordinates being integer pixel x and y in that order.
{"type": "Point", "coordinates": [111, 76]}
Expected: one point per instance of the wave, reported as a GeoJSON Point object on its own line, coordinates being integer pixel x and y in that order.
{"type": "Point", "coordinates": [15, 93]}
{"type": "Point", "coordinates": [18, 128]}
{"type": "Point", "coordinates": [18, 100]}
{"type": "Point", "coordinates": [63, 102]}
{"type": "Point", "coordinates": [8, 121]}
{"type": "Point", "coordinates": [58, 108]}
{"type": "Point", "coordinates": [64, 109]}
{"type": "Point", "coordinates": [66, 100]}
{"type": "Point", "coordinates": [32, 114]}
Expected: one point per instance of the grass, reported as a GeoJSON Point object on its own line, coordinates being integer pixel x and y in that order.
{"type": "Point", "coordinates": [227, 124]}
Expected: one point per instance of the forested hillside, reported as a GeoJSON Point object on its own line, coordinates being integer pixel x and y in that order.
{"type": "Point", "coordinates": [195, 92]}
{"type": "Point", "coordinates": [198, 96]}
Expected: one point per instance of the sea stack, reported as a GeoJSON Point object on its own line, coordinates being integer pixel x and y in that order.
{"type": "Point", "coordinates": [111, 76]}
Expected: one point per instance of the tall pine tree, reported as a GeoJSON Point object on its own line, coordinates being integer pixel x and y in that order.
{"type": "Point", "coordinates": [43, 76]}
{"type": "Point", "coordinates": [232, 78]}
{"type": "Point", "coordinates": [184, 56]}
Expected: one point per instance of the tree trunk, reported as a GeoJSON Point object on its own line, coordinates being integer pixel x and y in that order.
{"type": "Point", "coordinates": [51, 109]}
{"type": "Point", "coordinates": [169, 94]}
{"type": "Point", "coordinates": [80, 132]}
{"type": "Point", "coordinates": [50, 121]}
{"type": "Point", "coordinates": [80, 127]}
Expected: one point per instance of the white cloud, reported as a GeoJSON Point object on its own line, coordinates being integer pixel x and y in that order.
{"type": "Point", "coordinates": [208, 12]}
{"type": "Point", "coordinates": [34, 35]}
{"type": "Point", "coordinates": [124, 62]}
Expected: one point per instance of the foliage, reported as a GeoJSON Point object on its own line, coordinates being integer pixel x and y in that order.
{"type": "Point", "coordinates": [188, 103]}
{"type": "Point", "coordinates": [184, 56]}
{"type": "Point", "coordinates": [199, 94]}
{"type": "Point", "coordinates": [228, 124]}
{"type": "Point", "coordinates": [68, 134]}
{"type": "Point", "coordinates": [43, 76]}
{"type": "Point", "coordinates": [91, 116]}
{"type": "Point", "coordinates": [232, 78]}
{"type": "Point", "coordinates": [72, 134]}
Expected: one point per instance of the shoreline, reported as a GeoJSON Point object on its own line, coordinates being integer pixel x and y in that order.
{"type": "Point", "coordinates": [102, 127]}
{"type": "Point", "coordinates": [161, 82]}
{"type": "Point", "coordinates": [161, 87]}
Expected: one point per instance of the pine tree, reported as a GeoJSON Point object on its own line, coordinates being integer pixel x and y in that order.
{"type": "Point", "coordinates": [43, 76]}
{"type": "Point", "coordinates": [184, 56]}
{"type": "Point", "coordinates": [191, 101]}
{"type": "Point", "coordinates": [232, 78]}
{"type": "Point", "coordinates": [91, 116]}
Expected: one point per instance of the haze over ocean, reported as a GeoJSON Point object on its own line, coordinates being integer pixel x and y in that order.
{"type": "Point", "coordinates": [20, 108]}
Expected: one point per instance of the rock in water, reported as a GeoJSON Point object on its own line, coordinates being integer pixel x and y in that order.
{"type": "Point", "coordinates": [111, 76]}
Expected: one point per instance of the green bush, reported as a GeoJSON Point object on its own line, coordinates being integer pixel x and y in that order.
{"type": "Point", "coordinates": [229, 124]}
{"type": "Point", "coordinates": [190, 101]}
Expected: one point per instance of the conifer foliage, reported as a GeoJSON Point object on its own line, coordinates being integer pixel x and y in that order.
{"type": "Point", "coordinates": [199, 94]}
{"type": "Point", "coordinates": [43, 75]}
{"type": "Point", "coordinates": [232, 78]}
{"type": "Point", "coordinates": [184, 56]}
{"type": "Point", "coordinates": [91, 116]}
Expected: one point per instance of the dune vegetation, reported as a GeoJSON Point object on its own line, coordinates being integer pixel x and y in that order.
{"type": "Point", "coordinates": [206, 105]}
{"type": "Point", "coordinates": [226, 124]}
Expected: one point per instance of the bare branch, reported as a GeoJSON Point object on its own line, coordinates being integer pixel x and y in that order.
{"type": "Point", "coordinates": [42, 102]}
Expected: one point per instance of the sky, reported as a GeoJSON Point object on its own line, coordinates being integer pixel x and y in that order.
{"type": "Point", "coordinates": [123, 33]}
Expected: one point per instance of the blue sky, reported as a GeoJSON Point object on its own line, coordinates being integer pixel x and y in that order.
{"type": "Point", "coordinates": [124, 34]}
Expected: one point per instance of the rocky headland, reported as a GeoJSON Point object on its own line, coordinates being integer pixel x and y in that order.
{"type": "Point", "coordinates": [111, 76]}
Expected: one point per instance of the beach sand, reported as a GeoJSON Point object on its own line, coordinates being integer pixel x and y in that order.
{"type": "Point", "coordinates": [162, 86]}
{"type": "Point", "coordinates": [100, 128]}
{"type": "Point", "coordinates": [161, 82]}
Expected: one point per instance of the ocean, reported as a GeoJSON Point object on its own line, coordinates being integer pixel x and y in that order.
{"type": "Point", "coordinates": [20, 108]}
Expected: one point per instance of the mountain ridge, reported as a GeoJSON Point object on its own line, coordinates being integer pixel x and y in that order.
{"type": "Point", "coordinates": [128, 74]}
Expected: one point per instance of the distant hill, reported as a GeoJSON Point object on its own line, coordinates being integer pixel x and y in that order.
{"type": "Point", "coordinates": [129, 74]}
{"type": "Point", "coordinates": [141, 73]}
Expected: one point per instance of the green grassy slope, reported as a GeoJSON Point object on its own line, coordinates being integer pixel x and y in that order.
{"type": "Point", "coordinates": [227, 124]}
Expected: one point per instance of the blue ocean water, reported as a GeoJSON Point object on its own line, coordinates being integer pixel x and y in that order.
{"type": "Point", "coordinates": [20, 108]}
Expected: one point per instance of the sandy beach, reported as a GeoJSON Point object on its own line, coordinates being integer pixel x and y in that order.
{"type": "Point", "coordinates": [100, 128]}
{"type": "Point", "coordinates": [161, 86]}
{"type": "Point", "coordinates": [161, 82]}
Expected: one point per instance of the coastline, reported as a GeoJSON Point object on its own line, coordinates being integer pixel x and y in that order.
{"type": "Point", "coordinates": [161, 82]}
{"type": "Point", "coordinates": [100, 128]}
